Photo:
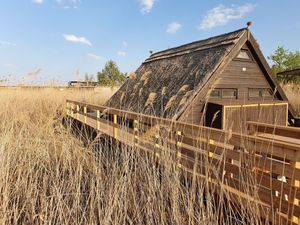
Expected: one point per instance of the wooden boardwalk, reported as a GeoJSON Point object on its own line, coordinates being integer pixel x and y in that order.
{"type": "Point", "coordinates": [269, 157]}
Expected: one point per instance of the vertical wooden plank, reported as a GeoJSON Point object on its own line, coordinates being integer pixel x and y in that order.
{"type": "Point", "coordinates": [296, 183]}
{"type": "Point", "coordinates": [178, 145]}
{"type": "Point", "coordinates": [98, 117]}
{"type": "Point", "coordinates": [115, 121]}
{"type": "Point", "coordinates": [72, 110]}
{"type": "Point", "coordinates": [136, 131]}
{"type": "Point", "coordinates": [77, 111]}
{"type": "Point", "coordinates": [85, 113]}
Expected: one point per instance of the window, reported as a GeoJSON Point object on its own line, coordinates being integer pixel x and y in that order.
{"type": "Point", "coordinates": [244, 54]}
{"type": "Point", "coordinates": [228, 93]}
{"type": "Point", "coordinates": [254, 93]}
{"type": "Point", "coordinates": [216, 93]}
{"type": "Point", "coordinates": [265, 93]}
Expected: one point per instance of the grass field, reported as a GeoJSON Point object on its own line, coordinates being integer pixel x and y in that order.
{"type": "Point", "coordinates": [47, 176]}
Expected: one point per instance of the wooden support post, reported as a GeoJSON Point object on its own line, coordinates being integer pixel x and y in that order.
{"type": "Point", "coordinates": [252, 129]}
{"type": "Point", "coordinates": [136, 131]}
{"type": "Point", "coordinates": [77, 111]}
{"type": "Point", "coordinates": [178, 145]}
{"type": "Point", "coordinates": [296, 183]}
{"type": "Point", "coordinates": [85, 113]}
{"type": "Point", "coordinates": [72, 110]}
{"type": "Point", "coordinates": [115, 117]}
{"type": "Point", "coordinates": [98, 118]}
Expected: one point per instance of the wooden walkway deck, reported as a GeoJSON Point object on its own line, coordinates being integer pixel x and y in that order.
{"type": "Point", "coordinates": [272, 162]}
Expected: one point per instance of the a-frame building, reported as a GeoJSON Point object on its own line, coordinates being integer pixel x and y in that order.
{"type": "Point", "coordinates": [221, 82]}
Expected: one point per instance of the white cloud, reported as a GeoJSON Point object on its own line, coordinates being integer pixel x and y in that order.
{"type": "Point", "coordinates": [9, 65]}
{"type": "Point", "coordinates": [7, 44]}
{"type": "Point", "coordinates": [76, 39]}
{"type": "Point", "coordinates": [125, 44]}
{"type": "Point", "coordinates": [146, 5]}
{"type": "Point", "coordinates": [221, 15]}
{"type": "Point", "coordinates": [38, 1]}
{"type": "Point", "coordinates": [121, 53]}
{"type": "Point", "coordinates": [68, 1]}
{"type": "Point", "coordinates": [69, 4]}
{"type": "Point", "coordinates": [96, 57]}
{"type": "Point", "coordinates": [173, 27]}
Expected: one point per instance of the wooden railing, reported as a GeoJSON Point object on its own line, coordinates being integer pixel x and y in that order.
{"type": "Point", "coordinates": [274, 131]}
{"type": "Point", "coordinates": [250, 168]}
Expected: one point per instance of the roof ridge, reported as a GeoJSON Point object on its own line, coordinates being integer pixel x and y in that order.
{"type": "Point", "coordinates": [157, 54]}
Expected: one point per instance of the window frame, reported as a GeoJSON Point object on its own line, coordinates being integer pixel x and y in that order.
{"type": "Point", "coordinates": [235, 91]}
{"type": "Point", "coordinates": [221, 93]}
{"type": "Point", "coordinates": [260, 93]}
{"type": "Point", "coordinates": [243, 59]}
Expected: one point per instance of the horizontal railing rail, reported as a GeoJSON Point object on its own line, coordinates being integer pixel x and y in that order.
{"type": "Point", "coordinates": [225, 158]}
{"type": "Point", "coordinates": [284, 131]}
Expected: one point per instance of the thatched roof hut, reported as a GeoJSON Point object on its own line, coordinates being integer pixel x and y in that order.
{"type": "Point", "coordinates": [176, 83]}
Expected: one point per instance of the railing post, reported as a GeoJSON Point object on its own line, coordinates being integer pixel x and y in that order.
{"type": "Point", "coordinates": [85, 113]}
{"type": "Point", "coordinates": [178, 145]}
{"type": "Point", "coordinates": [296, 183]}
{"type": "Point", "coordinates": [72, 110]}
{"type": "Point", "coordinates": [77, 111]}
{"type": "Point", "coordinates": [98, 118]}
{"type": "Point", "coordinates": [136, 131]}
{"type": "Point", "coordinates": [252, 128]}
{"type": "Point", "coordinates": [115, 118]}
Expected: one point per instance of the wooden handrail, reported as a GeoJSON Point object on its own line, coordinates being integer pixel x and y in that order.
{"type": "Point", "coordinates": [285, 131]}
{"type": "Point", "coordinates": [203, 150]}
{"type": "Point", "coordinates": [195, 130]}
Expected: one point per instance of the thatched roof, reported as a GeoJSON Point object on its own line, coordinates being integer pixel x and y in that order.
{"type": "Point", "coordinates": [162, 85]}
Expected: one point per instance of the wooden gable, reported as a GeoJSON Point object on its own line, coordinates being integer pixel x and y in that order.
{"type": "Point", "coordinates": [238, 74]}
{"type": "Point", "coordinates": [243, 75]}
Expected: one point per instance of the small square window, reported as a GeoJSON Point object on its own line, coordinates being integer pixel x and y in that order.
{"type": "Point", "coordinates": [254, 93]}
{"type": "Point", "coordinates": [215, 93]}
{"type": "Point", "coordinates": [266, 93]}
{"type": "Point", "coordinates": [229, 93]}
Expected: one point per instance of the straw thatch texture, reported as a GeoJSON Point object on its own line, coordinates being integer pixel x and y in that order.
{"type": "Point", "coordinates": [162, 85]}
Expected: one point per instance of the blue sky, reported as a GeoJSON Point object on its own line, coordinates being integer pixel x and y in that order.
{"type": "Point", "coordinates": [46, 40]}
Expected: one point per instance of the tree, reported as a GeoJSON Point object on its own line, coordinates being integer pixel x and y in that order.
{"type": "Point", "coordinates": [88, 78]}
{"type": "Point", "coordinates": [283, 60]}
{"type": "Point", "coordinates": [111, 75]}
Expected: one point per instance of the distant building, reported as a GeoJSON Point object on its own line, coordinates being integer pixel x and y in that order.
{"type": "Point", "coordinates": [82, 83]}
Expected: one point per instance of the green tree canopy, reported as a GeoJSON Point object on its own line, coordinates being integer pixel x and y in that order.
{"type": "Point", "coordinates": [283, 59]}
{"type": "Point", "coordinates": [111, 75]}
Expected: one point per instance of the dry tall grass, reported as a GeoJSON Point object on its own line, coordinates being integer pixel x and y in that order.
{"type": "Point", "coordinates": [293, 93]}
{"type": "Point", "coordinates": [47, 176]}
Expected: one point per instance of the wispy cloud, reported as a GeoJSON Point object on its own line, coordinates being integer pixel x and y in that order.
{"type": "Point", "coordinates": [95, 57]}
{"type": "Point", "coordinates": [69, 4]}
{"type": "Point", "coordinates": [68, 1]}
{"type": "Point", "coordinates": [173, 27]}
{"type": "Point", "coordinates": [38, 1]}
{"type": "Point", "coordinates": [146, 5]}
{"type": "Point", "coordinates": [75, 39]}
{"type": "Point", "coordinates": [125, 44]}
{"type": "Point", "coordinates": [7, 44]}
{"type": "Point", "coordinates": [121, 53]}
{"type": "Point", "coordinates": [221, 15]}
{"type": "Point", "coordinates": [9, 65]}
